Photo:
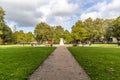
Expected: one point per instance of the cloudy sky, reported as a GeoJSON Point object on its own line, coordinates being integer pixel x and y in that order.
{"type": "Point", "coordinates": [25, 14]}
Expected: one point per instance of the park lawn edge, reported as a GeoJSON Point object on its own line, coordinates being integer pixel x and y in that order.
{"type": "Point", "coordinates": [22, 61]}
{"type": "Point", "coordinates": [41, 62]}
{"type": "Point", "coordinates": [104, 67]}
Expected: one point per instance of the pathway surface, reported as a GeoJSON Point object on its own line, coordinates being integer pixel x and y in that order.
{"type": "Point", "coordinates": [60, 65]}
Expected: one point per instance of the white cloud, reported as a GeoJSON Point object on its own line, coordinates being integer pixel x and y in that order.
{"type": "Point", "coordinates": [12, 25]}
{"type": "Point", "coordinates": [57, 12]}
{"type": "Point", "coordinates": [93, 15]}
{"type": "Point", "coordinates": [103, 10]}
{"type": "Point", "coordinates": [31, 12]}
{"type": "Point", "coordinates": [63, 8]}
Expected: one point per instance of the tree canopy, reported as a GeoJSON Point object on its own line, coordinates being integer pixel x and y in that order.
{"type": "Point", "coordinates": [79, 33]}
{"type": "Point", "coordinates": [116, 28]}
{"type": "Point", "coordinates": [5, 31]}
{"type": "Point", "coordinates": [42, 32]}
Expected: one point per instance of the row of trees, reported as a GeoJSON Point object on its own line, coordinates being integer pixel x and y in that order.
{"type": "Point", "coordinates": [44, 32]}
{"type": "Point", "coordinates": [96, 30]}
{"type": "Point", "coordinates": [21, 37]}
{"type": "Point", "coordinates": [82, 31]}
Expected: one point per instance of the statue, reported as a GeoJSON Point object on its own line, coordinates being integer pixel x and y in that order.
{"type": "Point", "coordinates": [61, 40]}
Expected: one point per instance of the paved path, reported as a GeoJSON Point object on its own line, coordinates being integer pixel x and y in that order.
{"type": "Point", "coordinates": [60, 65]}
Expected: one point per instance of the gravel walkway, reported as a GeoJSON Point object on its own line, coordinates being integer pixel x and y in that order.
{"type": "Point", "coordinates": [60, 65]}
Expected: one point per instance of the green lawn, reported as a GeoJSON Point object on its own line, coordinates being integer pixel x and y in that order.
{"type": "Point", "coordinates": [99, 63]}
{"type": "Point", "coordinates": [101, 45]}
{"type": "Point", "coordinates": [17, 63]}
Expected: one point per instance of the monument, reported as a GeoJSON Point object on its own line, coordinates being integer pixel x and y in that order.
{"type": "Point", "coordinates": [61, 42]}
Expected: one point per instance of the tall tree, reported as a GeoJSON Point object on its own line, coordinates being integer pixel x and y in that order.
{"type": "Point", "coordinates": [43, 32]}
{"type": "Point", "coordinates": [7, 34]}
{"type": "Point", "coordinates": [90, 27]}
{"type": "Point", "coordinates": [79, 33]}
{"type": "Point", "coordinates": [19, 36]}
{"type": "Point", "coordinates": [99, 26]}
{"type": "Point", "coordinates": [107, 28]}
{"type": "Point", "coordinates": [59, 33]}
{"type": "Point", "coordinates": [5, 31]}
{"type": "Point", "coordinates": [116, 29]}
{"type": "Point", "coordinates": [29, 37]}
{"type": "Point", "coordinates": [67, 36]}
{"type": "Point", "coordinates": [2, 13]}
{"type": "Point", "coordinates": [0, 36]}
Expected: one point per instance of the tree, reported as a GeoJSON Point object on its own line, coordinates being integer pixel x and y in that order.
{"type": "Point", "coordinates": [29, 37]}
{"type": "Point", "coordinates": [0, 36]}
{"type": "Point", "coordinates": [79, 33]}
{"type": "Point", "coordinates": [116, 29]}
{"type": "Point", "coordinates": [7, 34]}
{"type": "Point", "coordinates": [2, 13]}
{"type": "Point", "coordinates": [108, 30]}
{"type": "Point", "coordinates": [99, 26]}
{"type": "Point", "coordinates": [59, 33]}
{"type": "Point", "coordinates": [90, 27]}
{"type": "Point", "coordinates": [43, 32]}
{"type": "Point", "coordinates": [67, 36]}
{"type": "Point", "coordinates": [19, 36]}
{"type": "Point", "coordinates": [5, 31]}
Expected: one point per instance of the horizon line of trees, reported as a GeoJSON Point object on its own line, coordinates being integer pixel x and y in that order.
{"type": "Point", "coordinates": [89, 30]}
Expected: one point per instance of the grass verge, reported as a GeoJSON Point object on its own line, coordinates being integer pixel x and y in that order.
{"type": "Point", "coordinates": [18, 63]}
{"type": "Point", "coordinates": [102, 45]}
{"type": "Point", "coordinates": [99, 63]}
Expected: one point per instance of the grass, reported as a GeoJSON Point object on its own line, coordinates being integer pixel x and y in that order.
{"type": "Point", "coordinates": [99, 63]}
{"type": "Point", "coordinates": [18, 63]}
{"type": "Point", "coordinates": [14, 46]}
{"type": "Point", "coordinates": [102, 45]}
